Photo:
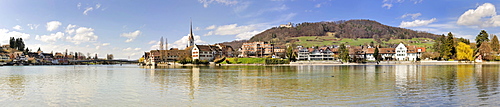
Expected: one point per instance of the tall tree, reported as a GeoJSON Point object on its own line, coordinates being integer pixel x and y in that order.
{"type": "Point", "coordinates": [494, 43]}
{"type": "Point", "coordinates": [444, 48]}
{"type": "Point", "coordinates": [12, 42]}
{"type": "Point", "coordinates": [290, 54]}
{"type": "Point", "coordinates": [376, 54]}
{"type": "Point", "coordinates": [344, 53]}
{"type": "Point", "coordinates": [485, 50]}
{"type": "Point", "coordinates": [481, 37]}
{"type": "Point", "coordinates": [20, 44]}
{"type": "Point", "coordinates": [438, 44]}
{"type": "Point", "coordinates": [39, 49]}
{"type": "Point", "coordinates": [450, 43]}
{"type": "Point", "coordinates": [26, 50]}
{"type": "Point", "coordinates": [464, 52]}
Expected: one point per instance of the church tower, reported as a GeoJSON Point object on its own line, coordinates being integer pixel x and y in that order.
{"type": "Point", "coordinates": [191, 38]}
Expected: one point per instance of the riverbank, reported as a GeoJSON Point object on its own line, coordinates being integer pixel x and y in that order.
{"type": "Point", "coordinates": [429, 62]}
{"type": "Point", "coordinates": [300, 63]}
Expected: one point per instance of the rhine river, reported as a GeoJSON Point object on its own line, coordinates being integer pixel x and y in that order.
{"type": "Point", "coordinates": [307, 85]}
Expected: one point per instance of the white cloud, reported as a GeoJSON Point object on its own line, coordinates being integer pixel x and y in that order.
{"type": "Point", "coordinates": [131, 35]}
{"type": "Point", "coordinates": [210, 27]}
{"type": "Point", "coordinates": [480, 17]}
{"type": "Point", "coordinates": [153, 42]}
{"type": "Point", "coordinates": [387, 5]}
{"type": "Point", "coordinates": [247, 35]}
{"type": "Point", "coordinates": [70, 29]}
{"type": "Point", "coordinates": [79, 5]}
{"type": "Point", "coordinates": [417, 23]}
{"type": "Point", "coordinates": [53, 25]}
{"type": "Point", "coordinates": [97, 6]}
{"type": "Point", "coordinates": [87, 10]}
{"type": "Point", "coordinates": [225, 2]}
{"type": "Point", "coordinates": [413, 16]}
{"type": "Point", "coordinates": [50, 38]}
{"type": "Point", "coordinates": [131, 49]}
{"type": "Point", "coordinates": [181, 43]}
{"type": "Point", "coordinates": [239, 32]}
{"type": "Point", "coordinates": [5, 36]}
{"type": "Point", "coordinates": [82, 34]}
{"type": "Point", "coordinates": [318, 5]}
{"type": "Point", "coordinates": [231, 29]}
{"type": "Point", "coordinates": [105, 44]}
{"type": "Point", "coordinates": [33, 26]}
{"type": "Point", "coordinates": [242, 7]}
{"type": "Point", "coordinates": [17, 27]}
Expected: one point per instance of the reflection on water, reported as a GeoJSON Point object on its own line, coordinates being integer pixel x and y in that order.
{"type": "Point", "coordinates": [309, 85]}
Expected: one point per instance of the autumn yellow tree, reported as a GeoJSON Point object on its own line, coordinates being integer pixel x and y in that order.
{"type": "Point", "coordinates": [464, 52]}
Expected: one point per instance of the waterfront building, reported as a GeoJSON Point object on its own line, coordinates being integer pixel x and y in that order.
{"type": "Point", "coordinates": [385, 53]}
{"type": "Point", "coordinates": [401, 53]}
{"type": "Point", "coordinates": [321, 53]}
{"type": "Point", "coordinates": [259, 49]}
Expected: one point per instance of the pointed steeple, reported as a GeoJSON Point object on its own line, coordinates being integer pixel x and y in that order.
{"type": "Point", "coordinates": [161, 43]}
{"type": "Point", "coordinates": [191, 35]}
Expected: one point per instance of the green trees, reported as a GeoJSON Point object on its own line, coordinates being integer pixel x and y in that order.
{"type": "Point", "coordinates": [481, 37]}
{"type": "Point", "coordinates": [494, 43]}
{"type": "Point", "coordinates": [376, 55]}
{"type": "Point", "coordinates": [12, 42]}
{"type": "Point", "coordinates": [17, 43]}
{"type": "Point", "coordinates": [464, 52]}
{"type": "Point", "coordinates": [445, 46]}
{"type": "Point", "coordinates": [290, 54]}
{"type": "Point", "coordinates": [344, 53]}
{"type": "Point", "coordinates": [449, 45]}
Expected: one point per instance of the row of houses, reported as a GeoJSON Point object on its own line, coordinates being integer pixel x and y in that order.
{"type": "Point", "coordinates": [195, 52]}
{"type": "Point", "coordinates": [8, 54]}
{"type": "Point", "coordinates": [400, 52]}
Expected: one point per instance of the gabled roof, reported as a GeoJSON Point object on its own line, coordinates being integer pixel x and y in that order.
{"type": "Point", "coordinates": [204, 47]}
{"type": "Point", "coordinates": [381, 50]}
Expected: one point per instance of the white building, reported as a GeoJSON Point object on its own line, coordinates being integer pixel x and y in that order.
{"type": "Point", "coordinates": [409, 53]}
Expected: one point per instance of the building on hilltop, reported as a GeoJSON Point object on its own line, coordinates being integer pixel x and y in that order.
{"type": "Point", "coordinates": [289, 25]}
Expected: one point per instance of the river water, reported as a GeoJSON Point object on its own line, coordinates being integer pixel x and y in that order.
{"type": "Point", "coordinates": [309, 85]}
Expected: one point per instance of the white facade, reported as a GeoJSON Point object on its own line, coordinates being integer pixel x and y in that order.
{"type": "Point", "coordinates": [200, 54]}
{"type": "Point", "coordinates": [401, 52]}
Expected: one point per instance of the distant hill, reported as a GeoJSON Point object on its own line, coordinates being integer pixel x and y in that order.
{"type": "Point", "coordinates": [352, 29]}
{"type": "Point", "coordinates": [236, 44]}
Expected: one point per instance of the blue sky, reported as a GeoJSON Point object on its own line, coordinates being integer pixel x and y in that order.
{"type": "Point", "coordinates": [127, 28]}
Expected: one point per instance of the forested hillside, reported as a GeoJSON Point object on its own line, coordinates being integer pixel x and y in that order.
{"type": "Point", "coordinates": [352, 29]}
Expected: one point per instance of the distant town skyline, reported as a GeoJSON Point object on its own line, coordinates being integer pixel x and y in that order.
{"type": "Point", "coordinates": [127, 29]}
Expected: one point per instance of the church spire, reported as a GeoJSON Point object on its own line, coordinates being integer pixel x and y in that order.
{"type": "Point", "coordinates": [191, 38]}
{"type": "Point", "coordinates": [161, 43]}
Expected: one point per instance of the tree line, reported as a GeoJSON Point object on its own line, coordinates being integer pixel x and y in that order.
{"type": "Point", "coordinates": [17, 43]}
{"type": "Point", "coordinates": [451, 48]}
